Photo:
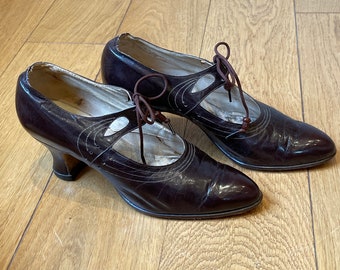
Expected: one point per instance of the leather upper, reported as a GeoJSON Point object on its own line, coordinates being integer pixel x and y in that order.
{"type": "Point", "coordinates": [193, 186]}
{"type": "Point", "coordinates": [273, 141]}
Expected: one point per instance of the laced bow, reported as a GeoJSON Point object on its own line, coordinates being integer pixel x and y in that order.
{"type": "Point", "coordinates": [229, 75]}
{"type": "Point", "coordinates": [145, 113]}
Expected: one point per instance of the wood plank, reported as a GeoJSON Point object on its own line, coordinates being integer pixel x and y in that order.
{"type": "Point", "coordinates": [24, 165]}
{"type": "Point", "coordinates": [277, 235]}
{"type": "Point", "coordinates": [177, 25]}
{"type": "Point", "coordinates": [86, 225]}
{"type": "Point", "coordinates": [16, 24]}
{"type": "Point", "coordinates": [317, 6]}
{"type": "Point", "coordinates": [319, 39]}
{"type": "Point", "coordinates": [80, 21]}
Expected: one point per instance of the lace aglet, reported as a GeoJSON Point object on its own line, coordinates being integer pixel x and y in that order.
{"type": "Point", "coordinates": [143, 159]}
{"type": "Point", "coordinates": [245, 124]}
{"type": "Point", "coordinates": [228, 88]}
{"type": "Point", "coordinates": [229, 94]}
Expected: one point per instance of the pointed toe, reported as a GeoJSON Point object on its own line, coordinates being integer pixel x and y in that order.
{"type": "Point", "coordinates": [252, 134]}
{"type": "Point", "coordinates": [157, 172]}
{"type": "Point", "coordinates": [313, 147]}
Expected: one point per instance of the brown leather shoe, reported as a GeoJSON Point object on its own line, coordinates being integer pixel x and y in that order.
{"type": "Point", "coordinates": [84, 123]}
{"type": "Point", "coordinates": [210, 94]}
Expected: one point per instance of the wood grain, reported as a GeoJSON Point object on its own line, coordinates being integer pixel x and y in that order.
{"type": "Point", "coordinates": [315, 6]}
{"type": "Point", "coordinates": [319, 43]}
{"type": "Point", "coordinates": [176, 25]}
{"type": "Point", "coordinates": [80, 21]}
{"type": "Point", "coordinates": [261, 35]}
{"type": "Point", "coordinates": [86, 225]}
{"type": "Point", "coordinates": [17, 21]}
{"type": "Point", "coordinates": [281, 229]}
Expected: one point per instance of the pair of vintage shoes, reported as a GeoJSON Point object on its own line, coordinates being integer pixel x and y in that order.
{"type": "Point", "coordinates": [117, 128]}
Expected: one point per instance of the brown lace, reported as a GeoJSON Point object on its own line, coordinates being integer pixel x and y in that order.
{"type": "Point", "coordinates": [145, 113]}
{"type": "Point", "coordinates": [228, 74]}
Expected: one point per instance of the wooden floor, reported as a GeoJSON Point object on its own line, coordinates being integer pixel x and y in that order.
{"type": "Point", "coordinates": [287, 54]}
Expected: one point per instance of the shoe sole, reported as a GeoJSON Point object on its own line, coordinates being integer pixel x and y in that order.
{"type": "Point", "coordinates": [71, 175]}
{"type": "Point", "coordinates": [195, 217]}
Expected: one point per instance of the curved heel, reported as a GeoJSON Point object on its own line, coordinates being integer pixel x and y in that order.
{"type": "Point", "coordinates": [65, 166]}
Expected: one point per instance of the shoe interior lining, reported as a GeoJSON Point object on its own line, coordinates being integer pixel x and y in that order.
{"type": "Point", "coordinates": [81, 96]}
{"type": "Point", "coordinates": [159, 59]}
{"type": "Point", "coordinates": [178, 64]}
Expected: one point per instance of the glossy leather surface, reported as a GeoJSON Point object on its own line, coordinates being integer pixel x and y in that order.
{"type": "Point", "coordinates": [273, 141]}
{"type": "Point", "coordinates": [193, 186]}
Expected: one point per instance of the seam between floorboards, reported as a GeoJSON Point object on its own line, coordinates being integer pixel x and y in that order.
{"type": "Point", "coordinates": [27, 38]}
{"type": "Point", "coordinates": [199, 54]}
{"type": "Point", "coordinates": [29, 222]}
{"type": "Point", "coordinates": [49, 178]}
{"type": "Point", "coordinates": [116, 33]}
{"type": "Point", "coordinates": [303, 117]}
{"type": "Point", "coordinates": [318, 12]}
{"type": "Point", "coordinates": [66, 43]}
{"type": "Point", "coordinates": [185, 129]}
{"type": "Point", "coordinates": [312, 219]}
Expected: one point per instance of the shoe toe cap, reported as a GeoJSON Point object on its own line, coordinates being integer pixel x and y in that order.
{"type": "Point", "coordinates": [311, 146]}
{"type": "Point", "coordinates": [234, 192]}
{"type": "Point", "coordinates": [285, 144]}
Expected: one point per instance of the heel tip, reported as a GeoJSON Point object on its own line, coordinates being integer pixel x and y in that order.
{"type": "Point", "coordinates": [71, 176]}
{"type": "Point", "coordinates": [66, 177]}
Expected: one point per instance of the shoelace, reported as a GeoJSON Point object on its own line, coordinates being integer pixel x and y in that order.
{"type": "Point", "coordinates": [145, 113]}
{"type": "Point", "coordinates": [228, 74]}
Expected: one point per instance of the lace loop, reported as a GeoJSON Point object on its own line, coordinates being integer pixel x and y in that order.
{"type": "Point", "coordinates": [144, 112]}
{"type": "Point", "coordinates": [230, 78]}
{"type": "Point", "coordinates": [147, 114]}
